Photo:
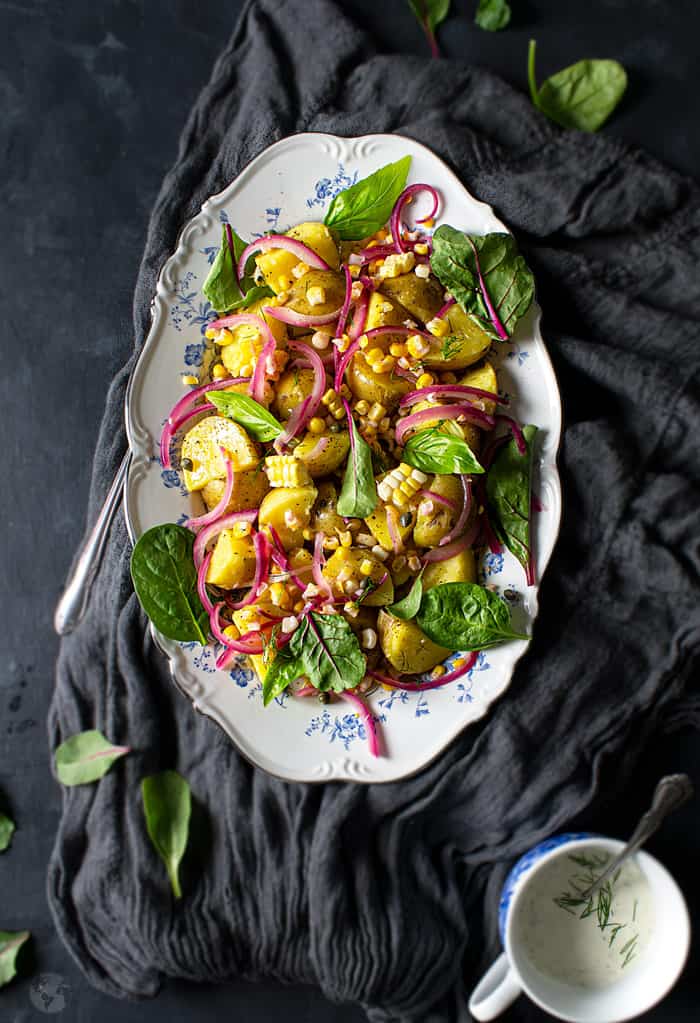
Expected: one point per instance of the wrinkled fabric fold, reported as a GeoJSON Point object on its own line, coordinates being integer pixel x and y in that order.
{"type": "Point", "coordinates": [375, 894]}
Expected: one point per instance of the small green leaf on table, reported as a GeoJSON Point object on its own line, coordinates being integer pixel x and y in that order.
{"type": "Point", "coordinates": [7, 830]}
{"type": "Point", "coordinates": [430, 14]}
{"type": "Point", "coordinates": [10, 944]}
{"type": "Point", "coordinates": [581, 96]}
{"type": "Point", "coordinates": [167, 805]}
{"type": "Point", "coordinates": [493, 15]}
{"type": "Point", "coordinates": [86, 757]}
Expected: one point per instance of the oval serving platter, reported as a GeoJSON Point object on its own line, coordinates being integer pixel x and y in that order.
{"type": "Point", "coordinates": [300, 740]}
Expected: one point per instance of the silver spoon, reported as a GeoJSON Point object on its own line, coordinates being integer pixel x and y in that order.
{"type": "Point", "coordinates": [672, 791]}
{"type": "Point", "coordinates": [71, 607]}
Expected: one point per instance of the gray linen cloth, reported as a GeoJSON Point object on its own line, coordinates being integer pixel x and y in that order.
{"type": "Point", "coordinates": [374, 893]}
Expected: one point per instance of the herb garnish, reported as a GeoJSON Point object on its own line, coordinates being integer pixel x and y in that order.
{"type": "Point", "coordinates": [465, 616]}
{"type": "Point", "coordinates": [487, 275]}
{"type": "Point", "coordinates": [365, 207]}
{"type": "Point", "coordinates": [407, 608]}
{"type": "Point", "coordinates": [7, 829]}
{"type": "Point", "coordinates": [430, 13]}
{"type": "Point", "coordinates": [167, 805]}
{"type": "Point", "coordinates": [358, 495]}
{"type": "Point", "coordinates": [493, 15]}
{"type": "Point", "coordinates": [86, 757]}
{"type": "Point", "coordinates": [10, 944]}
{"type": "Point", "coordinates": [221, 287]}
{"type": "Point", "coordinates": [432, 450]}
{"type": "Point", "coordinates": [451, 344]}
{"type": "Point", "coordinates": [165, 580]}
{"type": "Point", "coordinates": [248, 413]}
{"type": "Point", "coordinates": [580, 96]}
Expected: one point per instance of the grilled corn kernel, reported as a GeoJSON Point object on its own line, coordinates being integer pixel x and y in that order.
{"type": "Point", "coordinates": [368, 639]}
{"type": "Point", "coordinates": [241, 529]}
{"type": "Point", "coordinates": [308, 534]}
{"type": "Point", "coordinates": [397, 264]}
{"type": "Point", "coordinates": [299, 270]}
{"type": "Point", "coordinates": [364, 341]}
{"type": "Point", "coordinates": [399, 499]}
{"type": "Point", "coordinates": [299, 606]}
{"type": "Point", "coordinates": [286, 471]}
{"type": "Point", "coordinates": [428, 223]}
{"type": "Point", "coordinates": [219, 372]}
{"type": "Point", "coordinates": [351, 608]}
{"type": "Point", "coordinates": [437, 327]}
{"type": "Point", "coordinates": [376, 412]}
{"type": "Point", "coordinates": [316, 425]}
{"type": "Point", "coordinates": [362, 407]}
{"type": "Point", "coordinates": [374, 355]}
{"type": "Point", "coordinates": [414, 563]}
{"type": "Point", "coordinates": [278, 594]}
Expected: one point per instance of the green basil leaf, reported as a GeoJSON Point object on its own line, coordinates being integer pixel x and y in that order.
{"type": "Point", "coordinates": [358, 495]}
{"type": "Point", "coordinates": [492, 15]}
{"type": "Point", "coordinates": [7, 830]}
{"type": "Point", "coordinates": [465, 616]}
{"type": "Point", "coordinates": [430, 13]}
{"type": "Point", "coordinates": [329, 652]}
{"type": "Point", "coordinates": [365, 207]}
{"type": "Point", "coordinates": [221, 287]}
{"type": "Point", "coordinates": [167, 805]}
{"type": "Point", "coordinates": [407, 608]}
{"type": "Point", "coordinates": [284, 670]}
{"type": "Point", "coordinates": [86, 757]}
{"type": "Point", "coordinates": [509, 491]}
{"type": "Point", "coordinates": [248, 413]}
{"type": "Point", "coordinates": [165, 580]}
{"type": "Point", "coordinates": [581, 96]}
{"type": "Point", "coordinates": [432, 450]}
{"type": "Point", "coordinates": [10, 944]}
{"type": "Point", "coordinates": [487, 275]}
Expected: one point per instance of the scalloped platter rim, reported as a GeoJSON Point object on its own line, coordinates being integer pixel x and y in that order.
{"type": "Point", "coordinates": [297, 740]}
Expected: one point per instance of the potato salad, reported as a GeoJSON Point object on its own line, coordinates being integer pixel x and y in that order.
{"type": "Point", "coordinates": [348, 452]}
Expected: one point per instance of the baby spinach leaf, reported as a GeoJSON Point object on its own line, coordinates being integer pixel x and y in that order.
{"type": "Point", "coordinates": [430, 13]}
{"type": "Point", "coordinates": [167, 805]}
{"type": "Point", "coordinates": [358, 494]}
{"type": "Point", "coordinates": [325, 649]}
{"type": "Point", "coordinates": [7, 830]}
{"type": "Point", "coordinates": [365, 207]}
{"type": "Point", "coordinates": [487, 275]}
{"type": "Point", "coordinates": [85, 757]}
{"type": "Point", "coordinates": [509, 492]}
{"type": "Point", "coordinates": [165, 580]}
{"type": "Point", "coordinates": [10, 944]}
{"type": "Point", "coordinates": [465, 616]}
{"type": "Point", "coordinates": [492, 15]}
{"type": "Point", "coordinates": [248, 413]}
{"type": "Point", "coordinates": [432, 450]}
{"type": "Point", "coordinates": [221, 287]}
{"type": "Point", "coordinates": [407, 608]}
{"type": "Point", "coordinates": [580, 96]}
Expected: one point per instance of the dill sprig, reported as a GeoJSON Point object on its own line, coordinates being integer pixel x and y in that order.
{"type": "Point", "coordinates": [450, 346]}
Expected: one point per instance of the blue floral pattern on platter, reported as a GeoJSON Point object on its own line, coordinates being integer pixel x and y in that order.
{"type": "Point", "coordinates": [328, 188]}
{"type": "Point", "coordinates": [524, 865]}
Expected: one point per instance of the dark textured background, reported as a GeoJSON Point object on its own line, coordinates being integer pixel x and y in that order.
{"type": "Point", "coordinates": [94, 94]}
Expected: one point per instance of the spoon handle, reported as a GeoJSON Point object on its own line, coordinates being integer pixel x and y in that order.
{"type": "Point", "coordinates": [671, 792]}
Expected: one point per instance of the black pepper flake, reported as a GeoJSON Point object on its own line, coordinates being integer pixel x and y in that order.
{"type": "Point", "coordinates": [324, 698]}
{"type": "Point", "coordinates": [406, 519]}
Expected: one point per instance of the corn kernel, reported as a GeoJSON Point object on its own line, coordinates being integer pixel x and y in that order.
{"type": "Point", "coordinates": [317, 425]}
{"type": "Point", "coordinates": [289, 624]}
{"type": "Point", "coordinates": [219, 372]}
{"type": "Point", "coordinates": [422, 271]}
{"type": "Point", "coordinates": [299, 606]}
{"type": "Point", "coordinates": [417, 346]}
{"type": "Point", "coordinates": [210, 334]}
{"type": "Point", "coordinates": [282, 296]}
{"type": "Point", "coordinates": [362, 407]}
{"type": "Point", "coordinates": [437, 327]}
{"type": "Point", "coordinates": [374, 355]}
{"type": "Point", "coordinates": [316, 295]}
{"type": "Point", "coordinates": [397, 264]}
{"type": "Point", "coordinates": [438, 671]}
{"type": "Point", "coordinates": [346, 538]}
{"type": "Point", "coordinates": [399, 499]}
{"type": "Point", "coordinates": [351, 608]}
{"type": "Point", "coordinates": [320, 340]}
{"type": "Point", "coordinates": [329, 396]}
{"type": "Point", "coordinates": [421, 249]}
{"type": "Point", "coordinates": [376, 412]}
{"type": "Point", "coordinates": [278, 594]}
{"type": "Point", "coordinates": [364, 341]}
{"type": "Point", "coordinates": [414, 563]}
{"type": "Point", "coordinates": [369, 639]}
{"type": "Point", "coordinates": [241, 529]}
{"type": "Point", "coordinates": [428, 223]}
{"type": "Point", "coordinates": [397, 349]}
{"type": "Point", "coordinates": [425, 380]}
{"type": "Point", "coordinates": [299, 270]}
{"type": "Point", "coordinates": [338, 413]}
{"type": "Point", "coordinates": [330, 543]}
{"type": "Point", "coordinates": [350, 585]}
{"type": "Point", "coordinates": [458, 663]}
{"type": "Point", "coordinates": [308, 534]}
{"type": "Point", "coordinates": [366, 566]}
{"type": "Point", "coordinates": [355, 270]}
{"type": "Point", "coordinates": [189, 380]}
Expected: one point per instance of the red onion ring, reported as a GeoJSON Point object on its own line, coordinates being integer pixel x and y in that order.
{"type": "Point", "coordinates": [461, 522]}
{"type": "Point", "coordinates": [317, 566]}
{"type": "Point", "coordinates": [447, 306]}
{"type": "Point", "coordinates": [433, 496]}
{"type": "Point", "coordinates": [455, 547]}
{"type": "Point", "coordinates": [396, 329]}
{"type": "Point", "coordinates": [449, 391]}
{"type": "Point", "coordinates": [262, 571]}
{"type": "Point", "coordinates": [221, 506]}
{"type": "Point", "coordinates": [202, 584]}
{"type": "Point", "coordinates": [436, 683]}
{"type": "Point", "coordinates": [518, 435]}
{"type": "Point", "coordinates": [166, 437]}
{"type": "Point", "coordinates": [360, 315]}
{"type": "Point", "coordinates": [307, 410]}
{"type": "Point", "coordinates": [471, 414]}
{"type": "Point", "coordinates": [288, 316]}
{"type": "Point", "coordinates": [243, 319]}
{"type": "Point", "coordinates": [182, 411]}
{"type": "Point", "coordinates": [408, 193]}
{"type": "Point", "coordinates": [279, 556]}
{"type": "Point", "coordinates": [365, 713]}
{"type": "Point", "coordinates": [392, 526]}
{"type": "Point", "coordinates": [257, 381]}
{"type": "Point", "coordinates": [281, 241]}
{"type": "Point", "coordinates": [214, 528]}
{"type": "Point", "coordinates": [344, 362]}
{"type": "Point", "coordinates": [318, 449]}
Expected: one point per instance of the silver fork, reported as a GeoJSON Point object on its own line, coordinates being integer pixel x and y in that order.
{"type": "Point", "coordinates": [71, 607]}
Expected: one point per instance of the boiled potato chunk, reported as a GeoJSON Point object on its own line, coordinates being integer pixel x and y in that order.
{"type": "Point", "coordinates": [333, 455]}
{"type": "Point", "coordinates": [344, 565]}
{"type": "Point", "coordinates": [290, 390]}
{"type": "Point", "coordinates": [385, 388]}
{"type": "Point", "coordinates": [233, 561]}
{"type": "Point", "coordinates": [484, 377]}
{"type": "Point", "coordinates": [434, 523]}
{"type": "Point", "coordinates": [288, 509]}
{"type": "Point", "coordinates": [383, 311]}
{"type": "Point", "coordinates": [325, 514]}
{"type": "Point", "coordinates": [405, 645]}
{"type": "Point", "coordinates": [249, 488]}
{"type": "Point", "coordinates": [277, 264]}
{"type": "Point", "coordinates": [247, 618]}
{"type": "Point", "coordinates": [316, 293]}
{"type": "Point", "coordinates": [421, 299]}
{"type": "Point", "coordinates": [460, 568]}
{"type": "Point", "coordinates": [378, 526]}
{"type": "Point", "coordinates": [240, 353]}
{"type": "Point", "coordinates": [468, 342]}
{"type": "Point", "coordinates": [201, 446]}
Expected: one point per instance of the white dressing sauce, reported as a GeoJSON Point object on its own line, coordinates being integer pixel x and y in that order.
{"type": "Point", "coordinates": [589, 943]}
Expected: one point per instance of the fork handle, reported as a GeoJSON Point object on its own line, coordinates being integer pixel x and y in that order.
{"type": "Point", "coordinates": [71, 607]}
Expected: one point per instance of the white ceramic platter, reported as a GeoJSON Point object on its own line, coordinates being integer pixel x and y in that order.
{"type": "Point", "coordinates": [299, 739]}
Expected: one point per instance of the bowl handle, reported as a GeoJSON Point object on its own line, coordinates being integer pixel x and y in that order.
{"type": "Point", "coordinates": [496, 990]}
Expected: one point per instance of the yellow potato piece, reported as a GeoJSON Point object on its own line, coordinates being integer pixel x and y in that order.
{"type": "Point", "coordinates": [385, 388]}
{"type": "Point", "coordinates": [460, 568]}
{"type": "Point", "coordinates": [378, 526]}
{"type": "Point", "coordinates": [288, 509]}
{"type": "Point", "coordinates": [344, 566]}
{"type": "Point", "coordinates": [405, 645]}
{"type": "Point", "coordinates": [324, 462]}
{"type": "Point", "coordinates": [421, 298]}
{"type": "Point", "coordinates": [232, 562]}
{"type": "Point", "coordinates": [467, 342]}
{"type": "Point", "coordinates": [240, 353]}
{"type": "Point", "coordinates": [431, 526]}
{"type": "Point", "coordinates": [277, 264]}
{"type": "Point", "coordinates": [483, 376]}
{"type": "Point", "coordinates": [249, 488]}
{"type": "Point", "coordinates": [201, 446]}
{"type": "Point", "coordinates": [328, 284]}
{"type": "Point", "coordinates": [290, 390]}
{"type": "Point", "coordinates": [384, 311]}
